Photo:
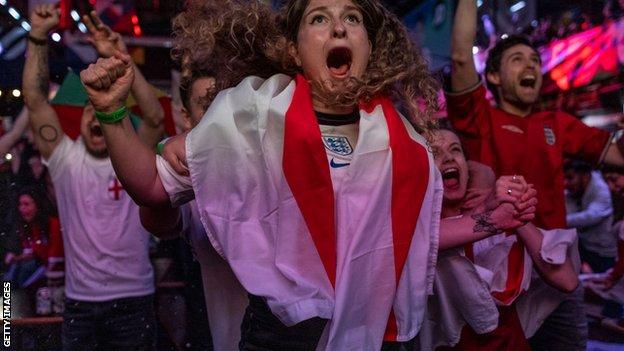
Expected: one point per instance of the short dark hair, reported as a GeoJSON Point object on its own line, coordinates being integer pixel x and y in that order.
{"type": "Point", "coordinates": [609, 168]}
{"type": "Point", "coordinates": [495, 56]}
{"type": "Point", "coordinates": [445, 124]}
{"type": "Point", "coordinates": [187, 84]}
{"type": "Point", "coordinates": [577, 166]}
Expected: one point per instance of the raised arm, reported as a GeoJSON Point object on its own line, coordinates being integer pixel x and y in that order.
{"type": "Point", "coordinates": [464, 74]}
{"type": "Point", "coordinates": [106, 41]}
{"type": "Point", "coordinates": [44, 122]}
{"type": "Point", "coordinates": [108, 83]}
{"type": "Point", "coordinates": [13, 135]}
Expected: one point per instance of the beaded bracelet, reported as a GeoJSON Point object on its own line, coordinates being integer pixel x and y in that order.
{"type": "Point", "coordinates": [112, 117]}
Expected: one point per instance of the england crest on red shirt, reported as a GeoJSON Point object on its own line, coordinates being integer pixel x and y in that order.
{"type": "Point", "coordinates": [549, 135]}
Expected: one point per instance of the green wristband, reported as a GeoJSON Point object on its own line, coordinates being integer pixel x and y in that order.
{"type": "Point", "coordinates": [112, 117]}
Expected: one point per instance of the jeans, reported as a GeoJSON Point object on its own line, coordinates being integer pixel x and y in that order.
{"type": "Point", "coordinates": [565, 328]}
{"type": "Point", "coordinates": [24, 274]}
{"type": "Point", "coordinates": [120, 324]}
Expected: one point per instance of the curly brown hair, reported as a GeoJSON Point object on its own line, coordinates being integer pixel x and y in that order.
{"type": "Point", "coordinates": [239, 38]}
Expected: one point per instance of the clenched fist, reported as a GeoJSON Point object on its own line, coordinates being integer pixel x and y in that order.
{"type": "Point", "coordinates": [42, 19]}
{"type": "Point", "coordinates": [108, 82]}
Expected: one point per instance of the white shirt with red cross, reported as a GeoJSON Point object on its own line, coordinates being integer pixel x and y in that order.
{"type": "Point", "coordinates": [106, 248]}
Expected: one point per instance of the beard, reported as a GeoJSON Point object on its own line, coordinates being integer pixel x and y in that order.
{"type": "Point", "coordinates": [97, 153]}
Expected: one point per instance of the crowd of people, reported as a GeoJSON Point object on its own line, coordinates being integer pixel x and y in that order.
{"type": "Point", "coordinates": [325, 205]}
{"type": "Point", "coordinates": [570, 22]}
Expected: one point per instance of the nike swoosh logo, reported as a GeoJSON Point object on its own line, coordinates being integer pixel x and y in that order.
{"type": "Point", "coordinates": [337, 165]}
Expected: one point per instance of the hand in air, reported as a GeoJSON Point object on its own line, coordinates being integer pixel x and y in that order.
{"type": "Point", "coordinates": [104, 39]}
{"type": "Point", "coordinates": [108, 82]}
{"type": "Point", "coordinates": [43, 19]}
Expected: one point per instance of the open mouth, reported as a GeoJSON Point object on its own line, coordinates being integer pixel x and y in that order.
{"type": "Point", "coordinates": [96, 130]}
{"type": "Point", "coordinates": [528, 81]}
{"type": "Point", "coordinates": [450, 177]}
{"type": "Point", "coordinates": [339, 61]}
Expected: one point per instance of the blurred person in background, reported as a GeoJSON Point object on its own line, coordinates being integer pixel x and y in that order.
{"type": "Point", "coordinates": [40, 242]}
{"type": "Point", "coordinates": [8, 183]}
{"type": "Point", "coordinates": [589, 210]}
{"type": "Point", "coordinates": [225, 298]}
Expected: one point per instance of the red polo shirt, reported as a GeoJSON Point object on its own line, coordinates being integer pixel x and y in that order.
{"type": "Point", "coordinates": [533, 146]}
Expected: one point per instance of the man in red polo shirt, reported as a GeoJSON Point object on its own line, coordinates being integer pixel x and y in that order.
{"type": "Point", "coordinates": [512, 138]}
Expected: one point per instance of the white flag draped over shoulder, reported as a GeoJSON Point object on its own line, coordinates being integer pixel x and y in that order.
{"type": "Point", "coordinates": [362, 255]}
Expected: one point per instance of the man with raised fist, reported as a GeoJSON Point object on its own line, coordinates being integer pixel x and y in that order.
{"type": "Point", "coordinates": [109, 278]}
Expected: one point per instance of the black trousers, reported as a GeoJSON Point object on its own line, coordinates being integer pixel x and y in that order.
{"type": "Point", "coordinates": [262, 331]}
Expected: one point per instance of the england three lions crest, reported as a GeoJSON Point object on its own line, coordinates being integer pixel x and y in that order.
{"type": "Point", "coordinates": [338, 144]}
{"type": "Point", "coordinates": [549, 134]}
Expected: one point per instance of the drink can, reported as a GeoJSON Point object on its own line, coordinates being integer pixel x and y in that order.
{"type": "Point", "coordinates": [58, 300]}
{"type": "Point", "coordinates": [44, 302]}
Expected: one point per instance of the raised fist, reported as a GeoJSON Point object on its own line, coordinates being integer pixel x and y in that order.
{"type": "Point", "coordinates": [105, 41]}
{"type": "Point", "coordinates": [108, 82]}
{"type": "Point", "coordinates": [42, 19]}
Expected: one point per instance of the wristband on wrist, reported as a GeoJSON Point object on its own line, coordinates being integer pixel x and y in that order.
{"type": "Point", "coordinates": [37, 41]}
{"type": "Point", "coordinates": [161, 146]}
{"type": "Point", "coordinates": [112, 117]}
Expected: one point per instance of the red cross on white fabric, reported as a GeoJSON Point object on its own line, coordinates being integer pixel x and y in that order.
{"type": "Point", "coordinates": [116, 187]}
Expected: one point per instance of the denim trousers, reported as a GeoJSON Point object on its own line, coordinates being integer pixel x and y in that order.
{"type": "Point", "coordinates": [120, 324]}
{"type": "Point", "coordinates": [565, 328]}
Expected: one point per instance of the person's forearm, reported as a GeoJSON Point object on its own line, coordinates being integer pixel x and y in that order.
{"type": "Point", "coordinates": [562, 276]}
{"type": "Point", "coordinates": [455, 232]}
{"type": "Point", "coordinates": [13, 135]}
{"type": "Point", "coordinates": [163, 222]}
{"type": "Point", "coordinates": [44, 123]}
{"type": "Point", "coordinates": [464, 74]}
{"type": "Point", "coordinates": [591, 216]}
{"type": "Point", "coordinates": [151, 110]}
{"type": "Point", "coordinates": [135, 164]}
{"type": "Point", "coordinates": [36, 75]}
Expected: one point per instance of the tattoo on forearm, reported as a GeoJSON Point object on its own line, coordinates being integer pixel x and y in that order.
{"type": "Point", "coordinates": [48, 133]}
{"type": "Point", "coordinates": [484, 223]}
